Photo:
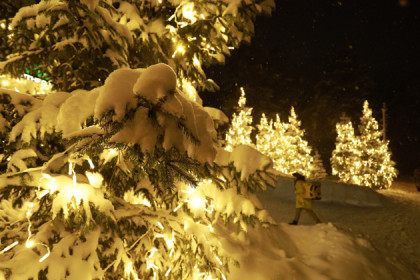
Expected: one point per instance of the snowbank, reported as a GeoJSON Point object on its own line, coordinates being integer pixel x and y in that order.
{"type": "Point", "coordinates": [331, 192]}
{"type": "Point", "coordinates": [358, 242]}
{"type": "Point", "coordinates": [319, 252]}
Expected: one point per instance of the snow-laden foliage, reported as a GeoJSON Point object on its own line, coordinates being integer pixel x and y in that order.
{"type": "Point", "coordinates": [141, 189]}
{"type": "Point", "coordinates": [78, 43]}
{"type": "Point", "coordinates": [13, 107]}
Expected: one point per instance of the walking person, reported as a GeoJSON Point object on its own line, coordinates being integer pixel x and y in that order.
{"type": "Point", "coordinates": [301, 202]}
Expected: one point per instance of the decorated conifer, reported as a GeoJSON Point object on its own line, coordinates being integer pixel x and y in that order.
{"type": "Point", "coordinates": [345, 160]}
{"type": "Point", "coordinates": [317, 168]}
{"type": "Point", "coordinates": [377, 169]}
{"type": "Point", "coordinates": [141, 189]}
{"type": "Point", "coordinates": [296, 156]}
{"type": "Point", "coordinates": [240, 128]}
{"type": "Point", "coordinates": [280, 145]}
{"type": "Point", "coordinates": [265, 140]}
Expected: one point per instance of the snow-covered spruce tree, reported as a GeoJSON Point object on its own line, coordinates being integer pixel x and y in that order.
{"type": "Point", "coordinates": [142, 191]}
{"type": "Point", "coordinates": [296, 153]}
{"type": "Point", "coordinates": [91, 38]}
{"type": "Point", "coordinates": [265, 140]}
{"type": "Point", "coordinates": [377, 169]}
{"type": "Point", "coordinates": [345, 159]}
{"type": "Point", "coordinates": [241, 126]}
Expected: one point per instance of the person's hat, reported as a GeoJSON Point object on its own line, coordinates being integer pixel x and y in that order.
{"type": "Point", "coordinates": [298, 175]}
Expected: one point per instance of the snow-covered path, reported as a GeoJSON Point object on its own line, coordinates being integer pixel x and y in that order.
{"type": "Point", "coordinates": [393, 229]}
{"type": "Point", "coordinates": [353, 242]}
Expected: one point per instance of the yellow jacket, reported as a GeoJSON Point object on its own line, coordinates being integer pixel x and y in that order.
{"type": "Point", "coordinates": [299, 192]}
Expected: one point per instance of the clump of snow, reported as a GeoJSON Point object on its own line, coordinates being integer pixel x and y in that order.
{"type": "Point", "coordinates": [217, 115]}
{"type": "Point", "coordinates": [156, 81]}
{"type": "Point", "coordinates": [139, 130]}
{"type": "Point", "coordinates": [17, 162]}
{"type": "Point", "coordinates": [227, 203]}
{"type": "Point", "coordinates": [74, 193]}
{"type": "Point", "coordinates": [117, 94]}
{"type": "Point", "coordinates": [86, 132]}
{"type": "Point", "coordinates": [50, 109]}
{"type": "Point", "coordinates": [246, 160]}
{"type": "Point", "coordinates": [75, 110]}
{"type": "Point", "coordinates": [26, 128]}
{"type": "Point", "coordinates": [23, 102]}
{"type": "Point", "coordinates": [42, 119]}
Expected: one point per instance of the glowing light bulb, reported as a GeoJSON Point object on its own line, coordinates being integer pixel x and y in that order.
{"type": "Point", "coordinates": [29, 243]}
{"type": "Point", "coordinates": [197, 202]}
{"type": "Point", "coordinates": [169, 243]}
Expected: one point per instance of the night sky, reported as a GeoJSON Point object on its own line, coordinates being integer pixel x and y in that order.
{"type": "Point", "coordinates": [325, 58]}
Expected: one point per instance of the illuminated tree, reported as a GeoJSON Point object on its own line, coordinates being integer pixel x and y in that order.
{"type": "Point", "coordinates": [280, 142]}
{"type": "Point", "coordinates": [78, 43]}
{"type": "Point", "coordinates": [296, 154]}
{"type": "Point", "coordinates": [142, 190]}
{"type": "Point", "coordinates": [345, 159]}
{"type": "Point", "coordinates": [265, 140]}
{"type": "Point", "coordinates": [377, 169]}
{"type": "Point", "coordinates": [317, 170]}
{"type": "Point", "coordinates": [240, 128]}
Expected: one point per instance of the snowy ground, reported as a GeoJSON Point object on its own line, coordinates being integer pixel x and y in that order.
{"type": "Point", "coordinates": [354, 242]}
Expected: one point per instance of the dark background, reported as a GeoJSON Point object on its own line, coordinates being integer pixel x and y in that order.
{"type": "Point", "coordinates": [325, 58]}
